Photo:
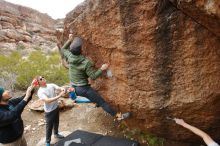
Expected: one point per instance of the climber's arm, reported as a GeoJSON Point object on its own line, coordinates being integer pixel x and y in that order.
{"type": "Point", "coordinates": [64, 50]}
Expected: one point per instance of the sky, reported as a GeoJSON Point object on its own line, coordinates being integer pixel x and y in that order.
{"type": "Point", "coordinates": [55, 8]}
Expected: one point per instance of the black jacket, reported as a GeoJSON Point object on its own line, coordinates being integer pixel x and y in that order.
{"type": "Point", "coordinates": [11, 124]}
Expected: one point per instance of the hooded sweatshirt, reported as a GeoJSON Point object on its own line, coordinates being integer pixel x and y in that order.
{"type": "Point", "coordinates": [80, 68]}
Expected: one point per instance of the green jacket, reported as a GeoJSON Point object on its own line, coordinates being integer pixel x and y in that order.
{"type": "Point", "coordinates": [80, 68]}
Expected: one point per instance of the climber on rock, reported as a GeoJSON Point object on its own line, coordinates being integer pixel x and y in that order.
{"type": "Point", "coordinates": [207, 139]}
{"type": "Point", "coordinates": [80, 69]}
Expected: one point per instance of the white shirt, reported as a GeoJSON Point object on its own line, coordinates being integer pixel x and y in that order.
{"type": "Point", "coordinates": [48, 92]}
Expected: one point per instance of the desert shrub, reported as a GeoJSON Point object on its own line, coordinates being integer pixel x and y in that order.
{"type": "Point", "coordinates": [35, 64]}
{"type": "Point", "coordinates": [143, 137]}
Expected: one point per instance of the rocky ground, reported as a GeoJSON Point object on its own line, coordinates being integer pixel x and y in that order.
{"type": "Point", "coordinates": [81, 117]}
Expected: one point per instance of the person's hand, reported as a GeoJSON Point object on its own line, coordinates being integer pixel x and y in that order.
{"type": "Point", "coordinates": [28, 93]}
{"type": "Point", "coordinates": [104, 66]}
{"type": "Point", "coordinates": [62, 93]}
{"type": "Point", "coordinates": [70, 37]}
{"type": "Point", "coordinates": [71, 89]}
{"type": "Point", "coordinates": [179, 121]}
{"type": "Point", "coordinates": [35, 83]}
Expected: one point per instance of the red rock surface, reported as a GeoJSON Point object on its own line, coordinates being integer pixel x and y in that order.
{"type": "Point", "coordinates": [205, 12]}
{"type": "Point", "coordinates": [164, 63]}
{"type": "Point", "coordinates": [25, 25]}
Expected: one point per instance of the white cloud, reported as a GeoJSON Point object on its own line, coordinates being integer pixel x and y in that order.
{"type": "Point", "coordinates": [54, 8]}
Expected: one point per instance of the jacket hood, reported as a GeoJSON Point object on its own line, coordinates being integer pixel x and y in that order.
{"type": "Point", "coordinates": [76, 59]}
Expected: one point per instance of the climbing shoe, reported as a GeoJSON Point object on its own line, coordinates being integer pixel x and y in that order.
{"type": "Point", "coordinates": [123, 116]}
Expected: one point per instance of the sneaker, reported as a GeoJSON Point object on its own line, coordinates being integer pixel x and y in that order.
{"type": "Point", "coordinates": [123, 116]}
{"type": "Point", "coordinates": [47, 144]}
{"type": "Point", "coordinates": [58, 136]}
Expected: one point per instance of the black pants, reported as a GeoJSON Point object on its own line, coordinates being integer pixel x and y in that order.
{"type": "Point", "coordinates": [52, 122]}
{"type": "Point", "coordinates": [92, 95]}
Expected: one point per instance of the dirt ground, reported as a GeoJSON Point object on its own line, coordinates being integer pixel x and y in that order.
{"type": "Point", "coordinates": [85, 117]}
{"type": "Point", "coordinates": [81, 117]}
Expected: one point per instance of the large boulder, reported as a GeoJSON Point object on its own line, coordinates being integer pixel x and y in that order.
{"type": "Point", "coordinates": [164, 63]}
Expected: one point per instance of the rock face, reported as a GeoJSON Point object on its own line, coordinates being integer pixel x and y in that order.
{"type": "Point", "coordinates": [205, 12]}
{"type": "Point", "coordinates": [164, 63]}
{"type": "Point", "coordinates": [22, 27]}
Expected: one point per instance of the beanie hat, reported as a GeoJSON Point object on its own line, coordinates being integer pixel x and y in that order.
{"type": "Point", "coordinates": [1, 92]}
{"type": "Point", "coordinates": [76, 45]}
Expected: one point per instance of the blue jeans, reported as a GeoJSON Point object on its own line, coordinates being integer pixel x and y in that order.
{"type": "Point", "coordinates": [93, 96]}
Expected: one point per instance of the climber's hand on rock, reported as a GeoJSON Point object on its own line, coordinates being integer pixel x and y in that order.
{"type": "Point", "coordinates": [70, 37]}
{"type": "Point", "coordinates": [179, 121]}
{"type": "Point", "coordinates": [104, 66]}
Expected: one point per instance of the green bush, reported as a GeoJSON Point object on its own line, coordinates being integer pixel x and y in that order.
{"type": "Point", "coordinates": [35, 64]}
{"type": "Point", "coordinates": [142, 137]}
{"type": "Point", "coordinates": [152, 140]}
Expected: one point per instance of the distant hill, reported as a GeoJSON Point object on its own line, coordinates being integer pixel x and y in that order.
{"type": "Point", "coordinates": [22, 27]}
